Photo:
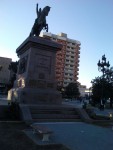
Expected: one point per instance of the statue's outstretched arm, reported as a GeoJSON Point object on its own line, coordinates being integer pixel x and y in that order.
{"type": "Point", "coordinates": [37, 9]}
{"type": "Point", "coordinates": [39, 12]}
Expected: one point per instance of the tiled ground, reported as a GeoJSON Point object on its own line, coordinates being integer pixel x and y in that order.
{"type": "Point", "coordinates": [80, 136]}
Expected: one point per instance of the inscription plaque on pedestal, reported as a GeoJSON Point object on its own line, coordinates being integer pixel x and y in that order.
{"type": "Point", "coordinates": [43, 63]}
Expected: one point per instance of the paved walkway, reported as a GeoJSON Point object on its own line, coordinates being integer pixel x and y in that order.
{"type": "Point", "coordinates": [77, 104]}
{"type": "Point", "coordinates": [80, 136]}
{"type": "Point", "coordinates": [3, 100]}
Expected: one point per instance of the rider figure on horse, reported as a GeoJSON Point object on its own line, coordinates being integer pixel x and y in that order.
{"type": "Point", "coordinates": [40, 21]}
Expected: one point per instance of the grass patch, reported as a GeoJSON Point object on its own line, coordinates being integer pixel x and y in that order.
{"type": "Point", "coordinates": [94, 116]}
{"type": "Point", "coordinates": [104, 125]}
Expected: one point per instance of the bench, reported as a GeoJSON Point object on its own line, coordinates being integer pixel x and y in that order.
{"type": "Point", "coordinates": [43, 131]}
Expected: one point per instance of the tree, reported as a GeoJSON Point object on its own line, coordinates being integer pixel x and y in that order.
{"type": "Point", "coordinates": [109, 77]}
{"type": "Point", "coordinates": [102, 87]}
{"type": "Point", "coordinates": [61, 89]}
{"type": "Point", "coordinates": [13, 68]}
{"type": "Point", "coordinates": [72, 90]}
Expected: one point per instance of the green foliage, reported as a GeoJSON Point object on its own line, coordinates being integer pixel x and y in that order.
{"type": "Point", "coordinates": [84, 105]}
{"type": "Point", "coordinates": [61, 89]}
{"type": "Point", "coordinates": [72, 90]}
{"type": "Point", "coordinates": [13, 68]}
{"type": "Point", "coordinates": [95, 116]}
{"type": "Point", "coordinates": [102, 87]}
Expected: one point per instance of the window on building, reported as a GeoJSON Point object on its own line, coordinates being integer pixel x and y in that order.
{"type": "Point", "coordinates": [67, 55]}
{"type": "Point", "coordinates": [65, 82]}
{"type": "Point", "coordinates": [71, 61]}
{"type": "Point", "coordinates": [71, 65]}
{"type": "Point", "coordinates": [67, 60]}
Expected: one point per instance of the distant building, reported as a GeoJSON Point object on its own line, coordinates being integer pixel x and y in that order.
{"type": "Point", "coordinates": [82, 90]}
{"type": "Point", "coordinates": [67, 60]}
{"type": "Point", "coordinates": [89, 91]}
{"type": "Point", "coordinates": [4, 72]}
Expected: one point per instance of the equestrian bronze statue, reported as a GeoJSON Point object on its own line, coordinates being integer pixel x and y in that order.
{"type": "Point", "coordinates": [40, 21]}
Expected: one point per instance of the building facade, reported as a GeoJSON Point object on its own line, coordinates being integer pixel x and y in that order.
{"type": "Point", "coordinates": [67, 60]}
{"type": "Point", "coordinates": [82, 90]}
{"type": "Point", "coordinates": [4, 72]}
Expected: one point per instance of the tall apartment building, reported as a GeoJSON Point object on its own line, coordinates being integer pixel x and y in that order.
{"type": "Point", "coordinates": [67, 60]}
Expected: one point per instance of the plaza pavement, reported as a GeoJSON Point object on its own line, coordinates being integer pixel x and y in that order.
{"type": "Point", "coordinates": [77, 104]}
{"type": "Point", "coordinates": [3, 100]}
{"type": "Point", "coordinates": [77, 135]}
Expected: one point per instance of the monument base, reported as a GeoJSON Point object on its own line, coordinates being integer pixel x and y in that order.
{"type": "Point", "coordinates": [34, 96]}
{"type": "Point", "coordinates": [35, 82]}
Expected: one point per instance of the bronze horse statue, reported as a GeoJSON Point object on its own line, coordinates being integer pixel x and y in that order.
{"type": "Point", "coordinates": [40, 21]}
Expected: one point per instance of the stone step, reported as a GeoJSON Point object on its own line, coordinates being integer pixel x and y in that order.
{"type": "Point", "coordinates": [57, 120]}
{"type": "Point", "coordinates": [54, 116]}
{"type": "Point", "coordinates": [54, 113]}
{"type": "Point", "coordinates": [36, 111]}
{"type": "Point", "coordinates": [50, 107]}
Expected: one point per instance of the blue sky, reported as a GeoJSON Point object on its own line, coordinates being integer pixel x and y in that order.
{"type": "Point", "coordinates": [88, 21]}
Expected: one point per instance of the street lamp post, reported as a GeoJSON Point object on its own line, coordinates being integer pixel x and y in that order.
{"type": "Point", "coordinates": [102, 67]}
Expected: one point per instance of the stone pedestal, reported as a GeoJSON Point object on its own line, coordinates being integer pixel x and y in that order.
{"type": "Point", "coordinates": [35, 83]}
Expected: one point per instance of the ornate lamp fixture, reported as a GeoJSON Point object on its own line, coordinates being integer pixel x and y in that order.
{"type": "Point", "coordinates": [103, 65]}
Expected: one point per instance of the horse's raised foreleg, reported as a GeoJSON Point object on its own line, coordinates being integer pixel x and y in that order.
{"type": "Point", "coordinates": [46, 27]}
